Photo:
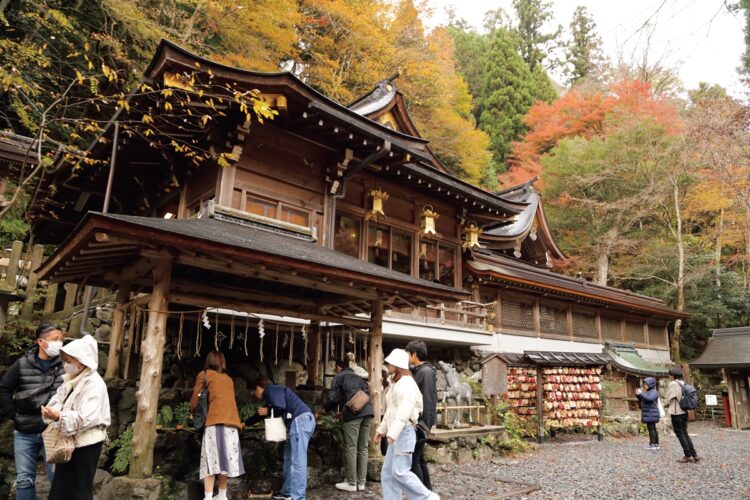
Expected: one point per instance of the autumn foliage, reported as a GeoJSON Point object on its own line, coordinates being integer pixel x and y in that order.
{"type": "Point", "coordinates": [585, 115]}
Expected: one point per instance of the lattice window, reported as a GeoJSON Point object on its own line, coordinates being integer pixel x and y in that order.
{"type": "Point", "coordinates": [611, 329]}
{"type": "Point", "coordinates": [634, 332]}
{"type": "Point", "coordinates": [584, 325]}
{"type": "Point", "coordinates": [517, 314]}
{"type": "Point", "coordinates": [553, 319]}
{"type": "Point", "coordinates": [657, 334]}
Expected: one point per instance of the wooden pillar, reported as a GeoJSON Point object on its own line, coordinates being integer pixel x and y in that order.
{"type": "Point", "coordinates": [540, 403]}
{"type": "Point", "coordinates": [37, 254]}
{"type": "Point", "coordinates": [118, 332]}
{"type": "Point", "coordinates": [11, 275]}
{"type": "Point", "coordinates": [4, 301]}
{"type": "Point", "coordinates": [375, 349]}
{"type": "Point", "coordinates": [147, 397]}
{"type": "Point", "coordinates": [313, 369]}
{"type": "Point", "coordinates": [71, 290]}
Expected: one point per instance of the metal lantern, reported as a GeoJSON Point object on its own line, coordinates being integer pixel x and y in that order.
{"type": "Point", "coordinates": [429, 216]}
{"type": "Point", "coordinates": [378, 197]}
{"type": "Point", "coordinates": [472, 232]}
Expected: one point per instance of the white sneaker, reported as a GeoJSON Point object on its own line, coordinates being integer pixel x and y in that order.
{"type": "Point", "coordinates": [346, 486]}
{"type": "Point", "coordinates": [360, 487]}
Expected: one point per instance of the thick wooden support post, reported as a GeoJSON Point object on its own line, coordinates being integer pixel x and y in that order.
{"type": "Point", "coordinates": [147, 397]}
{"type": "Point", "coordinates": [71, 290]}
{"type": "Point", "coordinates": [37, 254]}
{"type": "Point", "coordinates": [50, 299]}
{"type": "Point", "coordinates": [313, 368]}
{"type": "Point", "coordinates": [376, 360]}
{"type": "Point", "coordinates": [118, 332]}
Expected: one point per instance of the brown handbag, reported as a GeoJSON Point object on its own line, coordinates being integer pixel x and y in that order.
{"type": "Point", "coordinates": [58, 448]}
{"type": "Point", "coordinates": [358, 401]}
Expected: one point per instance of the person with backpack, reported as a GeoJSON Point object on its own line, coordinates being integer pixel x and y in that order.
{"type": "Point", "coordinates": [349, 392]}
{"type": "Point", "coordinates": [221, 455]}
{"type": "Point", "coordinates": [425, 376]}
{"type": "Point", "coordinates": [680, 398]}
{"type": "Point", "coordinates": [648, 397]}
{"type": "Point", "coordinates": [28, 384]}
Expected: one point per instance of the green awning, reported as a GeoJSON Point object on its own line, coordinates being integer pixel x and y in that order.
{"type": "Point", "coordinates": [625, 358]}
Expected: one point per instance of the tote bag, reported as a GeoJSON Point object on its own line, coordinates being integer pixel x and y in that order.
{"type": "Point", "coordinates": [58, 447]}
{"type": "Point", "coordinates": [662, 414]}
{"type": "Point", "coordinates": [275, 428]}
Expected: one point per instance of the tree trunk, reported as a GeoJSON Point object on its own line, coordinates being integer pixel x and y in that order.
{"type": "Point", "coordinates": [118, 332]}
{"type": "Point", "coordinates": [147, 397]}
{"type": "Point", "coordinates": [680, 274]}
{"type": "Point", "coordinates": [376, 361]}
{"type": "Point", "coordinates": [603, 272]}
{"type": "Point", "coordinates": [717, 250]}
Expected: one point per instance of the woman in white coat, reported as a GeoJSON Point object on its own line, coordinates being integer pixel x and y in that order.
{"type": "Point", "coordinates": [81, 406]}
{"type": "Point", "coordinates": [404, 404]}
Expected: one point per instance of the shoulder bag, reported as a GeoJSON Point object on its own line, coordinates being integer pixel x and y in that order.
{"type": "Point", "coordinates": [275, 428]}
{"type": "Point", "coordinates": [358, 401]}
{"type": "Point", "coordinates": [201, 410]}
{"type": "Point", "coordinates": [58, 447]}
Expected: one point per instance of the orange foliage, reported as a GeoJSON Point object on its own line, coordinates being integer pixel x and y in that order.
{"type": "Point", "coordinates": [578, 115]}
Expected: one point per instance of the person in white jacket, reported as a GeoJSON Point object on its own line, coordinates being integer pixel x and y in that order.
{"type": "Point", "coordinates": [404, 404]}
{"type": "Point", "coordinates": [81, 408]}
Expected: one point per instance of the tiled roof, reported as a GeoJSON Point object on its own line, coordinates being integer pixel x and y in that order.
{"type": "Point", "coordinates": [727, 348]}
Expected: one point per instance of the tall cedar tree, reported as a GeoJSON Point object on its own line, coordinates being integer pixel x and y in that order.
{"type": "Point", "coordinates": [531, 17]}
{"type": "Point", "coordinates": [583, 53]}
{"type": "Point", "coordinates": [509, 89]}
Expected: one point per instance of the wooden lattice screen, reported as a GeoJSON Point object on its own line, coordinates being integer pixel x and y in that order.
{"type": "Point", "coordinates": [657, 334]}
{"type": "Point", "coordinates": [553, 319]}
{"type": "Point", "coordinates": [611, 329]}
{"type": "Point", "coordinates": [584, 325]}
{"type": "Point", "coordinates": [634, 332]}
{"type": "Point", "coordinates": [517, 314]}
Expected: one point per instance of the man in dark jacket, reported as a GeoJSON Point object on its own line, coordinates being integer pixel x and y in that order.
{"type": "Point", "coordinates": [426, 379]}
{"type": "Point", "coordinates": [29, 383]}
{"type": "Point", "coordinates": [301, 423]}
{"type": "Point", "coordinates": [356, 425]}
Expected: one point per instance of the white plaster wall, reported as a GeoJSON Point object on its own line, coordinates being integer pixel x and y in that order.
{"type": "Point", "coordinates": [397, 328]}
{"type": "Point", "coordinates": [518, 343]}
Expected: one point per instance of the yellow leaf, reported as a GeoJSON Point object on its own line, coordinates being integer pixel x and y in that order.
{"type": "Point", "coordinates": [168, 106]}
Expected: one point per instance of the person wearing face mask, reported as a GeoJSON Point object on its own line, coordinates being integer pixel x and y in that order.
{"type": "Point", "coordinates": [28, 384]}
{"type": "Point", "coordinates": [81, 406]}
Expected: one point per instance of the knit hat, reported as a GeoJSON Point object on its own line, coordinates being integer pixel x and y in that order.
{"type": "Point", "coordinates": [398, 358]}
{"type": "Point", "coordinates": [85, 350]}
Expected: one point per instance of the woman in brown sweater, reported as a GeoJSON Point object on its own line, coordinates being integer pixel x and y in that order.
{"type": "Point", "coordinates": [220, 451]}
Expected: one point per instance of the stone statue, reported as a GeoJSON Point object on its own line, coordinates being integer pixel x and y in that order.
{"type": "Point", "coordinates": [455, 389]}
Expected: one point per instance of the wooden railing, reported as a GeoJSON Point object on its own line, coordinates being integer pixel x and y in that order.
{"type": "Point", "coordinates": [466, 314]}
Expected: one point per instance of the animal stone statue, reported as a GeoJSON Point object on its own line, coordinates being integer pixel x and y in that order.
{"type": "Point", "coordinates": [455, 389]}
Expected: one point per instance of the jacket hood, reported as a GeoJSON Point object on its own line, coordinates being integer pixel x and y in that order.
{"type": "Point", "coordinates": [84, 350]}
{"type": "Point", "coordinates": [650, 382]}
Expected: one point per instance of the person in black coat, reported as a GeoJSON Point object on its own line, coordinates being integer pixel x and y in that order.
{"type": "Point", "coordinates": [28, 384]}
{"type": "Point", "coordinates": [425, 376]}
{"type": "Point", "coordinates": [649, 400]}
{"type": "Point", "coordinates": [356, 426]}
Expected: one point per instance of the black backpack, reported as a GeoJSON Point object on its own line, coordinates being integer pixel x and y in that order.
{"type": "Point", "coordinates": [689, 399]}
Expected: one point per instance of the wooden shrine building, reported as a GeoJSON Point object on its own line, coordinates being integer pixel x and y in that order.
{"type": "Point", "coordinates": [335, 214]}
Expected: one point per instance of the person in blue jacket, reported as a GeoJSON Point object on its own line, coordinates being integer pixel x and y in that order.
{"type": "Point", "coordinates": [300, 422]}
{"type": "Point", "coordinates": [649, 400]}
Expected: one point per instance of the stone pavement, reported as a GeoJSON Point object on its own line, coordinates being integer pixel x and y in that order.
{"type": "Point", "coordinates": [611, 469]}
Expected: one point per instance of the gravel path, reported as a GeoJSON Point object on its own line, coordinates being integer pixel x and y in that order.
{"type": "Point", "coordinates": [612, 469]}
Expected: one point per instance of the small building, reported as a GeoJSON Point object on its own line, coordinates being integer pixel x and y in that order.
{"type": "Point", "coordinates": [728, 350]}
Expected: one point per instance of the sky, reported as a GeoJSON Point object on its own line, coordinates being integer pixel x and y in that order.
{"type": "Point", "coordinates": [701, 39]}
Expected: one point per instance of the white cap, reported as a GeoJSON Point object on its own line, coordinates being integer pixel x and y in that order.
{"type": "Point", "coordinates": [398, 358]}
{"type": "Point", "coordinates": [85, 350]}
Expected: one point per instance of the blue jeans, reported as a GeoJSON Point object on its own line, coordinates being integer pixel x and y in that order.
{"type": "Point", "coordinates": [396, 477]}
{"type": "Point", "coordinates": [26, 450]}
{"type": "Point", "coordinates": [295, 456]}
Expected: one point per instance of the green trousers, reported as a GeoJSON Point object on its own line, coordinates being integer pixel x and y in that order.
{"type": "Point", "coordinates": [356, 442]}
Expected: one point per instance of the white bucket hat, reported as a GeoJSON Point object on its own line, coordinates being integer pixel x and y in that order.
{"type": "Point", "coordinates": [84, 350]}
{"type": "Point", "coordinates": [398, 358]}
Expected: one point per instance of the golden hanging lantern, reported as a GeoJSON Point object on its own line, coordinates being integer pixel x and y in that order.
{"type": "Point", "coordinates": [472, 232]}
{"type": "Point", "coordinates": [378, 197]}
{"type": "Point", "coordinates": [429, 216]}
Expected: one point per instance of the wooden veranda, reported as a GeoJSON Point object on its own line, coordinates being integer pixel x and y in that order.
{"type": "Point", "coordinates": [233, 264]}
